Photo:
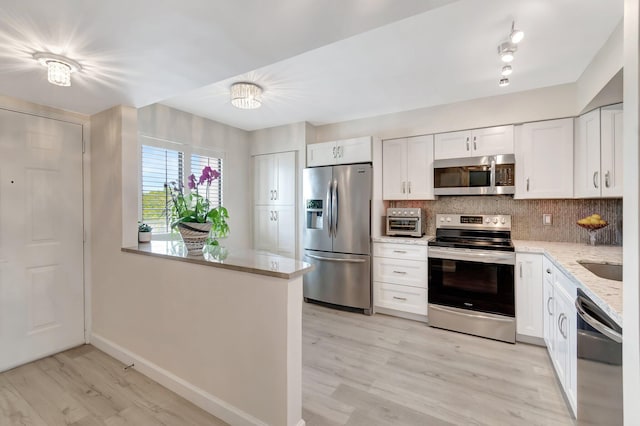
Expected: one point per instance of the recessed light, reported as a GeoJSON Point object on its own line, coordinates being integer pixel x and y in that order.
{"type": "Point", "coordinates": [506, 70]}
{"type": "Point", "coordinates": [504, 82]}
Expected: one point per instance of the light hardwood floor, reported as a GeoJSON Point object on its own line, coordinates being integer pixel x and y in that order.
{"type": "Point", "coordinates": [84, 386]}
{"type": "Point", "coordinates": [382, 370]}
{"type": "Point", "coordinates": [357, 370]}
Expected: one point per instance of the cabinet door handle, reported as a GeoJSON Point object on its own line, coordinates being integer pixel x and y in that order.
{"type": "Point", "coordinates": [271, 195]}
{"type": "Point", "coordinates": [275, 194]}
{"type": "Point", "coordinates": [404, 187]}
{"type": "Point", "coordinates": [548, 270]}
{"type": "Point", "coordinates": [409, 187]}
{"type": "Point", "coordinates": [399, 298]}
{"type": "Point", "coordinates": [400, 272]}
{"type": "Point", "coordinates": [467, 143]}
{"type": "Point", "coordinates": [527, 184]}
{"type": "Point", "coordinates": [399, 251]}
{"type": "Point", "coordinates": [606, 178]}
{"type": "Point", "coordinates": [275, 215]}
{"type": "Point", "coordinates": [475, 146]}
{"type": "Point", "coordinates": [595, 176]}
{"type": "Point", "coordinates": [334, 152]}
{"type": "Point", "coordinates": [520, 265]}
{"type": "Point", "coordinates": [271, 215]}
{"type": "Point", "coordinates": [549, 299]}
{"type": "Point", "coordinates": [341, 151]}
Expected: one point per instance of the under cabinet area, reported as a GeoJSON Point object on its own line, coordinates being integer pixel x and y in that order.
{"type": "Point", "coordinates": [474, 143]}
{"type": "Point", "coordinates": [347, 151]}
{"type": "Point", "coordinates": [400, 279]}
{"type": "Point", "coordinates": [598, 153]}
{"type": "Point", "coordinates": [407, 168]}
{"type": "Point", "coordinates": [544, 159]}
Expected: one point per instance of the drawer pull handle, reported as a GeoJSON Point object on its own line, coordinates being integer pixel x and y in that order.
{"type": "Point", "coordinates": [400, 272]}
{"type": "Point", "coordinates": [399, 298]}
{"type": "Point", "coordinates": [399, 251]}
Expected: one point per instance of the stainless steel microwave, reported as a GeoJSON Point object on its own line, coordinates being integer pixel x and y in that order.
{"type": "Point", "coordinates": [488, 175]}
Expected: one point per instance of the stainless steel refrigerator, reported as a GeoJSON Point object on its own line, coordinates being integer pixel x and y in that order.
{"type": "Point", "coordinates": [337, 235]}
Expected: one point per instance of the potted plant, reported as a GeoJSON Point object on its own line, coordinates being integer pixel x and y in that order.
{"type": "Point", "coordinates": [144, 232]}
{"type": "Point", "coordinates": [192, 214]}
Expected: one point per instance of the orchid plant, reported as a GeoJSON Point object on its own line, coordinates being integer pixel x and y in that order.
{"type": "Point", "coordinates": [194, 207]}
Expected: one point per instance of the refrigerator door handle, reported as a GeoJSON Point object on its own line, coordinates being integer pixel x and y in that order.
{"type": "Point", "coordinates": [332, 259]}
{"type": "Point", "coordinates": [329, 208]}
{"type": "Point", "coordinates": [334, 207]}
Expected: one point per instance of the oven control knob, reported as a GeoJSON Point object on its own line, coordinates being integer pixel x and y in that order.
{"type": "Point", "coordinates": [488, 220]}
{"type": "Point", "coordinates": [442, 219]}
{"type": "Point", "coordinates": [503, 221]}
{"type": "Point", "coordinates": [395, 213]}
{"type": "Point", "coordinates": [448, 219]}
{"type": "Point", "coordinates": [405, 213]}
{"type": "Point", "coordinates": [495, 220]}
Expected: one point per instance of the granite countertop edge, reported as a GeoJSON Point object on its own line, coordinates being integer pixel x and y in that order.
{"type": "Point", "coordinates": [199, 260]}
{"type": "Point", "coordinates": [607, 294]}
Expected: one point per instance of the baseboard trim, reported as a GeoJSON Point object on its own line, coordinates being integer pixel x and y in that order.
{"type": "Point", "coordinates": [531, 340]}
{"type": "Point", "coordinates": [401, 314]}
{"type": "Point", "coordinates": [219, 408]}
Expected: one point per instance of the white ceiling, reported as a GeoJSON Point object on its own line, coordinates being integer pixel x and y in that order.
{"type": "Point", "coordinates": [137, 52]}
{"type": "Point", "coordinates": [319, 61]}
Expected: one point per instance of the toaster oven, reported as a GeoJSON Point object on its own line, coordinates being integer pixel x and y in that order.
{"type": "Point", "coordinates": [405, 222]}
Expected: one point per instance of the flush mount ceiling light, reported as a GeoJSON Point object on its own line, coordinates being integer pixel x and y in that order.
{"type": "Point", "coordinates": [506, 70]}
{"type": "Point", "coordinates": [506, 51]}
{"type": "Point", "coordinates": [246, 95]}
{"type": "Point", "coordinates": [504, 82]}
{"type": "Point", "coordinates": [516, 35]}
{"type": "Point", "coordinates": [59, 68]}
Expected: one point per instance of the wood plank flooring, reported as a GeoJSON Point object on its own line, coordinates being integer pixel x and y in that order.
{"type": "Point", "coordinates": [357, 370]}
{"type": "Point", "coordinates": [84, 386]}
{"type": "Point", "coordinates": [382, 370]}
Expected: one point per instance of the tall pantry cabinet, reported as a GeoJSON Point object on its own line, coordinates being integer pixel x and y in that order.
{"type": "Point", "coordinates": [274, 212]}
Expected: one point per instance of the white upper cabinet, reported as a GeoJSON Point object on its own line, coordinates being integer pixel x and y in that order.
{"type": "Point", "coordinates": [474, 143]}
{"type": "Point", "coordinates": [275, 179]}
{"type": "Point", "coordinates": [611, 150]}
{"type": "Point", "coordinates": [347, 151]}
{"type": "Point", "coordinates": [544, 159]}
{"type": "Point", "coordinates": [598, 153]}
{"type": "Point", "coordinates": [407, 168]}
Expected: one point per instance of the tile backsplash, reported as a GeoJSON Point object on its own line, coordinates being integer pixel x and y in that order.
{"type": "Point", "coordinates": [526, 216]}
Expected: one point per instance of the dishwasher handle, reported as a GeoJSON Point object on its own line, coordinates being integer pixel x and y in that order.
{"type": "Point", "coordinates": [607, 331]}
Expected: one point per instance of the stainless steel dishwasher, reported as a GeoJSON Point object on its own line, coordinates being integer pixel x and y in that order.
{"type": "Point", "coordinates": [599, 377]}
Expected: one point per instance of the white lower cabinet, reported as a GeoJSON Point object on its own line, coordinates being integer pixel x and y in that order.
{"type": "Point", "coordinates": [400, 277]}
{"type": "Point", "coordinates": [529, 321]}
{"type": "Point", "coordinates": [560, 334]}
{"type": "Point", "coordinates": [273, 230]}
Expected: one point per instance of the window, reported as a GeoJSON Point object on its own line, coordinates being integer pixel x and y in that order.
{"type": "Point", "coordinates": [161, 165]}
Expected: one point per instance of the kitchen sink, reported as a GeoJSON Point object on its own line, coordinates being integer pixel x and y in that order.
{"type": "Point", "coordinates": [610, 271]}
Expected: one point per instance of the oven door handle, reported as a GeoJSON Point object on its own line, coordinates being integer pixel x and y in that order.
{"type": "Point", "coordinates": [480, 256]}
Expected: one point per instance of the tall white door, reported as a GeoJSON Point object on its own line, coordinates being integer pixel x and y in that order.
{"type": "Point", "coordinates": [41, 238]}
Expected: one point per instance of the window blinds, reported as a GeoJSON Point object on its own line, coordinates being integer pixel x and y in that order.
{"type": "Point", "coordinates": [198, 162]}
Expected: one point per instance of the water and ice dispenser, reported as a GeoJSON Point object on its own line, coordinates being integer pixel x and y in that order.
{"type": "Point", "coordinates": [314, 214]}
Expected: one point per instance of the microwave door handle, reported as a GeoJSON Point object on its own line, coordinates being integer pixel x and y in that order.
{"type": "Point", "coordinates": [329, 208]}
{"type": "Point", "coordinates": [493, 174]}
{"type": "Point", "coordinates": [334, 208]}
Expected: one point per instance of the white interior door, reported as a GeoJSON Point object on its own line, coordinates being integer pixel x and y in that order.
{"type": "Point", "coordinates": [41, 238]}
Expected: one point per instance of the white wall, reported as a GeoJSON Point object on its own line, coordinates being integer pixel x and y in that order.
{"type": "Point", "coordinates": [229, 340]}
{"type": "Point", "coordinates": [290, 137]}
{"type": "Point", "coordinates": [602, 68]}
{"type": "Point", "coordinates": [532, 105]}
{"type": "Point", "coordinates": [631, 212]}
{"type": "Point", "coordinates": [165, 123]}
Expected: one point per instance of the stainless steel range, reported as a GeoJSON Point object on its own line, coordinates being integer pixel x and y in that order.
{"type": "Point", "coordinates": [471, 276]}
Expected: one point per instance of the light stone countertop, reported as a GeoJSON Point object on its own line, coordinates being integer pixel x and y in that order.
{"type": "Point", "coordinates": [242, 260]}
{"type": "Point", "coordinates": [605, 293]}
{"type": "Point", "coordinates": [423, 241]}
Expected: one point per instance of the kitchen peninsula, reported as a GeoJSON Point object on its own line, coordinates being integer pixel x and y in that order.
{"type": "Point", "coordinates": [224, 333]}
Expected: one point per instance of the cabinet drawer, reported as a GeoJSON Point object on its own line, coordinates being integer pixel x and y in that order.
{"type": "Point", "coordinates": [397, 271]}
{"type": "Point", "coordinates": [400, 297]}
{"type": "Point", "coordinates": [400, 251]}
